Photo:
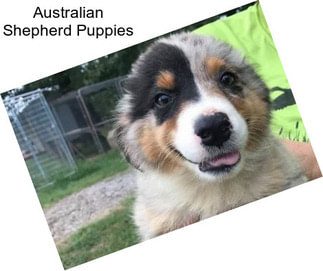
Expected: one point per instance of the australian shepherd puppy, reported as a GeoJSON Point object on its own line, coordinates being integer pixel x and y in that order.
{"type": "Point", "coordinates": [194, 122]}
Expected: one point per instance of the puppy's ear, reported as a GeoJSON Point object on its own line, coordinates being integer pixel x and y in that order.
{"type": "Point", "coordinates": [119, 133]}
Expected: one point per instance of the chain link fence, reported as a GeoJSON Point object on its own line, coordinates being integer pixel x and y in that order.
{"type": "Point", "coordinates": [85, 116]}
{"type": "Point", "coordinates": [42, 144]}
{"type": "Point", "coordinates": [51, 135]}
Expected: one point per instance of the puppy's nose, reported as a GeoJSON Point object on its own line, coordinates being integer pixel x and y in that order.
{"type": "Point", "coordinates": [214, 129]}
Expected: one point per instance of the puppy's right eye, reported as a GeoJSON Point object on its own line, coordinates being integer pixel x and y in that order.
{"type": "Point", "coordinates": [227, 78]}
{"type": "Point", "coordinates": [162, 100]}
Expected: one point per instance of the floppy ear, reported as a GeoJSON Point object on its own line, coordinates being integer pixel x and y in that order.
{"type": "Point", "coordinates": [119, 133]}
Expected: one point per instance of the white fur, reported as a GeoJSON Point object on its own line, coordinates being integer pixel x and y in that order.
{"type": "Point", "coordinates": [170, 198]}
{"type": "Point", "coordinates": [185, 138]}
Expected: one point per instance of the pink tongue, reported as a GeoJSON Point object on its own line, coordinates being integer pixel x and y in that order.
{"type": "Point", "coordinates": [225, 160]}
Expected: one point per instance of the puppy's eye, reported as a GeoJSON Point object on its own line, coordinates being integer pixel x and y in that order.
{"type": "Point", "coordinates": [161, 100]}
{"type": "Point", "coordinates": [227, 78]}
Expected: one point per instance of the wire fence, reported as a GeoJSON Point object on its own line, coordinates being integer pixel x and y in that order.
{"type": "Point", "coordinates": [42, 144]}
{"type": "Point", "coordinates": [85, 116]}
{"type": "Point", "coordinates": [52, 135]}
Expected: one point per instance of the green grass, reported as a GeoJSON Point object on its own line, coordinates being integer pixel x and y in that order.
{"type": "Point", "coordinates": [38, 179]}
{"type": "Point", "coordinates": [109, 234]}
{"type": "Point", "coordinates": [89, 172]}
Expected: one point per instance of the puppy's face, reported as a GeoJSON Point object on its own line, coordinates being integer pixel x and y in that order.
{"type": "Point", "coordinates": [192, 104]}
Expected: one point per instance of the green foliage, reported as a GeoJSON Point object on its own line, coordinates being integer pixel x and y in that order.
{"type": "Point", "coordinates": [89, 172]}
{"type": "Point", "coordinates": [95, 71]}
{"type": "Point", "coordinates": [109, 234]}
{"type": "Point", "coordinates": [102, 103]}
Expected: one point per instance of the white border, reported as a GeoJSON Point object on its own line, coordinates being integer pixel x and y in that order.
{"type": "Point", "coordinates": [281, 232]}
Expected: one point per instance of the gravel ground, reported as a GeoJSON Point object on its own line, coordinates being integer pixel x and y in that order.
{"type": "Point", "coordinates": [76, 210]}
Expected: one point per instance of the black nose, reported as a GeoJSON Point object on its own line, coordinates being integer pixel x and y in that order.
{"type": "Point", "coordinates": [214, 129]}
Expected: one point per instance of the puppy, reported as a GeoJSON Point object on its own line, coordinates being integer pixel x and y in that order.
{"type": "Point", "coordinates": [194, 122]}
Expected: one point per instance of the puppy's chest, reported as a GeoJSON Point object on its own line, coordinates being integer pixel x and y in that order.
{"type": "Point", "coordinates": [204, 200]}
{"type": "Point", "coordinates": [212, 200]}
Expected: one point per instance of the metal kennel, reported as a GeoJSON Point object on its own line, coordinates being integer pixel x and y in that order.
{"type": "Point", "coordinates": [41, 142]}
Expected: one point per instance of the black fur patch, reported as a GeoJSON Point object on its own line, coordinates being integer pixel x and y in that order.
{"type": "Point", "coordinates": [143, 86]}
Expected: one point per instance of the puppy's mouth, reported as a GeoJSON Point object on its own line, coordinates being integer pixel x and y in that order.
{"type": "Point", "coordinates": [221, 163]}
{"type": "Point", "coordinates": [216, 164]}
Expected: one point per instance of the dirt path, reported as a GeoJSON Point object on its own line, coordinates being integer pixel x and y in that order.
{"type": "Point", "coordinates": [76, 210]}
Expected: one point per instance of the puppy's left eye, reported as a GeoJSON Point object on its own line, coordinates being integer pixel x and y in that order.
{"type": "Point", "coordinates": [227, 78]}
{"type": "Point", "coordinates": [162, 100]}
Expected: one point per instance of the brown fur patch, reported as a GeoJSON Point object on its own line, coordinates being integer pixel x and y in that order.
{"type": "Point", "coordinates": [213, 65]}
{"type": "Point", "coordinates": [256, 112]}
{"type": "Point", "coordinates": [156, 142]}
{"type": "Point", "coordinates": [166, 80]}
